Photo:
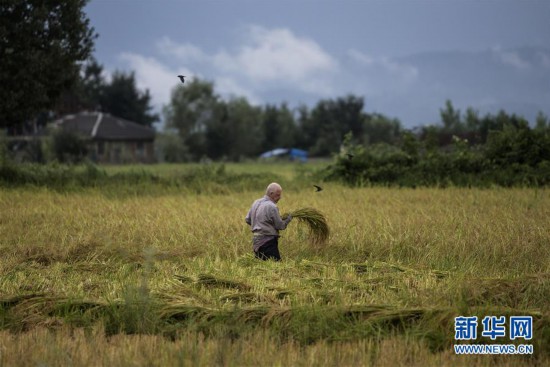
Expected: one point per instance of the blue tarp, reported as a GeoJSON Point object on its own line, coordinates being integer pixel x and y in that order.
{"type": "Point", "coordinates": [292, 153]}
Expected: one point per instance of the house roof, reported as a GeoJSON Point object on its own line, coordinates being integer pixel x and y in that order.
{"type": "Point", "coordinates": [103, 126]}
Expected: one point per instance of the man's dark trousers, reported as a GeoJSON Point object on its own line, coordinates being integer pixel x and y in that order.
{"type": "Point", "coordinates": [269, 250]}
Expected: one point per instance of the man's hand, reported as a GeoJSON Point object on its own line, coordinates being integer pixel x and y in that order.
{"type": "Point", "coordinates": [288, 219]}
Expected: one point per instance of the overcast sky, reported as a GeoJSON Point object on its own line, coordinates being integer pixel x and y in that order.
{"type": "Point", "coordinates": [300, 51]}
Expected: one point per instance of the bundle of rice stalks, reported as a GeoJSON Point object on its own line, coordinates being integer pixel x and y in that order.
{"type": "Point", "coordinates": [211, 281]}
{"type": "Point", "coordinates": [182, 312]}
{"type": "Point", "coordinates": [316, 221]}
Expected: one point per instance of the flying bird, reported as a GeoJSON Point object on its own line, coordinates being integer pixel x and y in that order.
{"type": "Point", "coordinates": [319, 188]}
{"type": "Point", "coordinates": [181, 78]}
{"type": "Point", "coordinates": [350, 156]}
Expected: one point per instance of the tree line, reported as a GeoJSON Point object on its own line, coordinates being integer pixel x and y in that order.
{"type": "Point", "coordinates": [47, 70]}
{"type": "Point", "coordinates": [201, 124]}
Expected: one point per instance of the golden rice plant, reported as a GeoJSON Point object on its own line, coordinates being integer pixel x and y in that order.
{"type": "Point", "coordinates": [315, 220]}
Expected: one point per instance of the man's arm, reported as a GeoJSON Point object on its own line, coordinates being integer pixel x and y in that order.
{"type": "Point", "coordinates": [278, 222]}
{"type": "Point", "coordinates": [247, 218]}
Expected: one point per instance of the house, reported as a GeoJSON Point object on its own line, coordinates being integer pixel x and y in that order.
{"type": "Point", "coordinates": [110, 139]}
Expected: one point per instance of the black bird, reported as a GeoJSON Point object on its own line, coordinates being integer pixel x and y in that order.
{"type": "Point", "coordinates": [319, 188]}
{"type": "Point", "coordinates": [181, 78]}
{"type": "Point", "coordinates": [350, 156]}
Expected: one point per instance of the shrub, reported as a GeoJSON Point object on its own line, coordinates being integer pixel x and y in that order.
{"type": "Point", "coordinates": [68, 147]}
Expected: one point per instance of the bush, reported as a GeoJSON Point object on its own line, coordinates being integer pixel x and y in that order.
{"type": "Point", "coordinates": [68, 147]}
{"type": "Point", "coordinates": [515, 156]}
{"type": "Point", "coordinates": [518, 145]}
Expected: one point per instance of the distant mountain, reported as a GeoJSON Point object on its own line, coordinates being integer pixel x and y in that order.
{"type": "Point", "coordinates": [514, 80]}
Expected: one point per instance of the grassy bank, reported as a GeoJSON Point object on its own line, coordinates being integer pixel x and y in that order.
{"type": "Point", "coordinates": [157, 180]}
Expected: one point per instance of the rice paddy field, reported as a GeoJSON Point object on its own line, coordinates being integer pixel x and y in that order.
{"type": "Point", "coordinates": [92, 278]}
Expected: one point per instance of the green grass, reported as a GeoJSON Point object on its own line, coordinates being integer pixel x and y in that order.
{"type": "Point", "coordinates": [158, 180]}
{"type": "Point", "coordinates": [285, 170]}
{"type": "Point", "coordinates": [170, 279]}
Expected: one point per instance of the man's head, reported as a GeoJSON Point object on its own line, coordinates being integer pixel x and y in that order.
{"type": "Point", "coordinates": [274, 191]}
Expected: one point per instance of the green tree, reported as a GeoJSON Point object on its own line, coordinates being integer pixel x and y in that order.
{"type": "Point", "coordinates": [349, 114]}
{"type": "Point", "coordinates": [542, 122]}
{"type": "Point", "coordinates": [450, 117]}
{"type": "Point", "coordinates": [517, 144]}
{"type": "Point", "coordinates": [279, 127]}
{"type": "Point", "coordinates": [410, 145]}
{"type": "Point", "coordinates": [192, 108]}
{"type": "Point", "coordinates": [122, 98]}
{"type": "Point", "coordinates": [92, 84]}
{"type": "Point", "coordinates": [472, 126]}
{"type": "Point", "coordinates": [236, 132]}
{"type": "Point", "coordinates": [85, 93]}
{"type": "Point", "coordinates": [41, 46]}
{"type": "Point", "coordinates": [323, 127]}
{"type": "Point", "coordinates": [472, 119]}
{"type": "Point", "coordinates": [327, 123]}
{"type": "Point", "coordinates": [431, 139]}
{"type": "Point", "coordinates": [304, 135]}
{"type": "Point", "coordinates": [211, 127]}
{"type": "Point", "coordinates": [380, 129]}
{"type": "Point", "coordinates": [246, 128]}
{"type": "Point", "coordinates": [170, 148]}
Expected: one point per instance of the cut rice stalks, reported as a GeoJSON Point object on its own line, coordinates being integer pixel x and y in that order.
{"type": "Point", "coordinates": [316, 221]}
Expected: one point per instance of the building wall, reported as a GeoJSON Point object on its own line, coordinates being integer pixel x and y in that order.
{"type": "Point", "coordinates": [120, 152]}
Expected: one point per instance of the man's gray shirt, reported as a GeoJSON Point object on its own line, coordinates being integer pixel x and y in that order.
{"type": "Point", "coordinates": [265, 221]}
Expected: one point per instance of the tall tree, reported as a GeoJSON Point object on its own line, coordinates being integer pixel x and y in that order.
{"type": "Point", "coordinates": [85, 93]}
{"type": "Point", "coordinates": [123, 99]}
{"type": "Point", "coordinates": [304, 135]}
{"type": "Point", "coordinates": [450, 117]}
{"type": "Point", "coordinates": [279, 127]}
{"type": "Point", "coordinates": [329, 121]}
{"type": "Point", "coordinates": [349, 112]}
{"type": "Point", "coordinates": [41, 46]}
{"type": "Point", "coordinates": [542, 123]}
{"type": "Point", "coordinates": [246, 128]}
{"type": "Point", "coordinates": [92, 84]}
{"type": "Point", "coordinates": [380, 129]}
{"type": "Point", "coordinates": [235, 132]}
{"type": "Point", "coordinates": [192, 108]}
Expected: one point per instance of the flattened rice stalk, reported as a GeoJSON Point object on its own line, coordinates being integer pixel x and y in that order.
{"type": "Point", "coordinates": [315, 220]}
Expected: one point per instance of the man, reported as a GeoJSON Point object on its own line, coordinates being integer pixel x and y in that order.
{"type": "Point", "coordinates": [266, 222]}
